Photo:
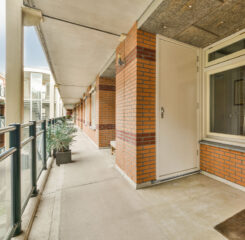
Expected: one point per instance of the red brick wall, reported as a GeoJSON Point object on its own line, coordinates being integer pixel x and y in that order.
{"type": "Point", "coordinates": [105, 112]}
{"type": "Point", "coordinates": [91, 133]}
{"type": "Point", "coordinates": [224, 163]}
{"type": "Point", "coordinates": [79, 115]}
{"type": "Point", "coordinates": [135, 106]}
{"type": "Point", "coordinates": [68, 112]}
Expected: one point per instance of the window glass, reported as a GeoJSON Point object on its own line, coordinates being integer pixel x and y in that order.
{"type": "Point", "coordinates": [46, 96]}
{"type": "Point", "coordinates": [86, 111]}
{"type": "Point", "coordinates": [93, 109]}
{"type": "Point", "coordinates": [227, 99]}
{"type": "Point", "coordinates": [27, 96]}
{"type": "Point", "coordinates": [36, 88]}
{"type": "Point", "coordinates": [234, 47]}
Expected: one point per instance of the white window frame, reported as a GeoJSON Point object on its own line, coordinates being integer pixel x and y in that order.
{"type": "Point", "coordinates": [31, 98]}
{"type": "Point", "coordinates": [219, 137]}
{"type": "Point", "coordinates": [221, 44]}
{"type": "Point", "coordinates": [86, 111]}
{"type": "Point", "coordinates": [93, 109]}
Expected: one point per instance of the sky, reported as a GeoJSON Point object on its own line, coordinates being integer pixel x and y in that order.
{"type": "Point", "coordinates": [34, 56]}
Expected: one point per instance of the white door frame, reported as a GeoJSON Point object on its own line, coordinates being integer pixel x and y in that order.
{"type": "Point", "coordinates": [199, 110]}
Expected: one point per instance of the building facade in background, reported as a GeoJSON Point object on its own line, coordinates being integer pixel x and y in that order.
{"type": "Point", "coordinates": [41, 97]}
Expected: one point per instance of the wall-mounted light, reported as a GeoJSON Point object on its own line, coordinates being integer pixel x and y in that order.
{"type": "Point", "coordinates": [120, 61]}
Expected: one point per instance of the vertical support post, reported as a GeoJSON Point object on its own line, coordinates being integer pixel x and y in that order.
{"type": "Point", "coordinates": [49, 129]}
{"type": "Point", "coordinates": [14, 58]}
{"type": "Point", "coordinates": [33, 133]}
{"type": "Point", "coordinates": [44, 145]}
{"type": "Point", "coordinates": [15, 141]}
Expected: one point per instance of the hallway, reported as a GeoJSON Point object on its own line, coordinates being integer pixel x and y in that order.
{"type": "Point", "coordinates": [90, 200]}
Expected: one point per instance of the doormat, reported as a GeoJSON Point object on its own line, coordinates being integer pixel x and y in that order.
{"type": "Point", "coordinates": [234, 227]}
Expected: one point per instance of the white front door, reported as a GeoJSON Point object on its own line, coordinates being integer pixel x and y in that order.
{"type": "Point", "coordinates": [177, 109]}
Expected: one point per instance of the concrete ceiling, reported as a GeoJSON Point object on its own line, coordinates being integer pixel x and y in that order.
{"type": "Point", "coordinates": [81, 35]}
{"type": "Point", "coordinates": [110, 71]}
{"type": "Point", "coordinates": [196, 22]}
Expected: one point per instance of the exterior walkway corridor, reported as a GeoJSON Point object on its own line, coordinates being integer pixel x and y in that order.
{"type": "Point", "coordinates": [90, 200]}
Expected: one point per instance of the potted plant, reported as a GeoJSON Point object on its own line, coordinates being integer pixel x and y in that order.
{"type": "Point", "coordinates": [60, 136]}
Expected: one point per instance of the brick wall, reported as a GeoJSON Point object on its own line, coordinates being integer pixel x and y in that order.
{"type": "Point", "coordinates": [91, 133]}
{"type": "Point", "coordinates": [79, 115]}
{"type": "Point", "coordinates": [224, 163]}
{"type": "Point", "coordinates": [105, 112]}
{"type": "Point", "coordinates": [135, 101]}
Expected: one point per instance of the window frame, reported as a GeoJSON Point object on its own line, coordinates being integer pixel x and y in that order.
{"type": "Point", "coordinates": [223, 44]}
{"type": "Point", "coordinates": [86, 112]}
{"type": "Point", "coordinates": [219, 137]}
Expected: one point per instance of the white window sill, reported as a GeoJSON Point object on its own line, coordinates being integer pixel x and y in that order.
{"type": "Point", "coordinates": [210, 142]}
{"type": "Point", "coordinates": [227, 141]}
{"type": "Point", "coordinates": [93, 127]}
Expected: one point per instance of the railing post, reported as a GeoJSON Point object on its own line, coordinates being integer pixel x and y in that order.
{"type": "Point", "coordinates": [33, 131]}
{"type": "Point", "coordinates": [15, 141]}
{"type": "Point", "coordinates": [44, 145]}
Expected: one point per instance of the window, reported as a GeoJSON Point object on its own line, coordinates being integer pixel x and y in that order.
{"type": "Point", "coordinates": [46, 96]}
{"type": "Point", "coordinates": [86, 111]}
{"type": "Point", "coordinates": [93, 110]}
{"type": "Point", "coordinates": [227, 101]}
{"type": "Point", "coordinates": [36, 87]}
{"type": "Point", "coordinates": [229, 49]}
{"type": "Point", "coordinates": [232, 48]}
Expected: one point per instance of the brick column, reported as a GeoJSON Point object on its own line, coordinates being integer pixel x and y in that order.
{"type": "Point", "coordinates": [105, 98]}
{"type": "Point", "coordinates": [135, 101]}
{"type": "Point", "coordinates": [105, 112]}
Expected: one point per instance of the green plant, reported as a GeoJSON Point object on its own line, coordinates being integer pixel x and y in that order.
{"type": "Point", "coordinates": [60, 136]}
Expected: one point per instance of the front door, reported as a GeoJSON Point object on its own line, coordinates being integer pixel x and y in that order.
{"type": "Point", "coordinates": [177, 106]}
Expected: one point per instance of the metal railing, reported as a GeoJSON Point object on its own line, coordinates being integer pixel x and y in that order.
{"type": "Point", "coordinates": [23, 162]}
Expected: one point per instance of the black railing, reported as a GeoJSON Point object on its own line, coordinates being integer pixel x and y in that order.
{"type": "Point", "coordinates": [28, 160]}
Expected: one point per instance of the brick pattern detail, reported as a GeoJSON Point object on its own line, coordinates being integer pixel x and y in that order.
{"type": "Point", "coordinates": [135, 101]}
{"type": "Point", "coordinates": [146, 53]}
{"type": "Point", "coordinates": [105, 113]}
{"type": "Point", "coordinates": [139, 139]}
{"type": "Point", "coordinates": [224, 163]}
{"type": "Point", "coordinates": [107, 87]}
{"type": "Point", "coordinates": [105, 126]}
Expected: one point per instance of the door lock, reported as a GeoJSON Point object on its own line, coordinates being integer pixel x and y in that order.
{"type": "Point", "coordinates": [162, 112]}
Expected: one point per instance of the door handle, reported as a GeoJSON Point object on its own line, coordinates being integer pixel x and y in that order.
{"type": "Point", "coordinates": [162, 112]}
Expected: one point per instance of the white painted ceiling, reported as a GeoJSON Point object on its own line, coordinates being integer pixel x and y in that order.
{"type": "Point", "coordinates": [77, 54]}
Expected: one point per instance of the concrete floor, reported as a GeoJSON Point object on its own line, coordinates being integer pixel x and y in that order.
{"type": "Point", "coordinates": [90, 200]}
